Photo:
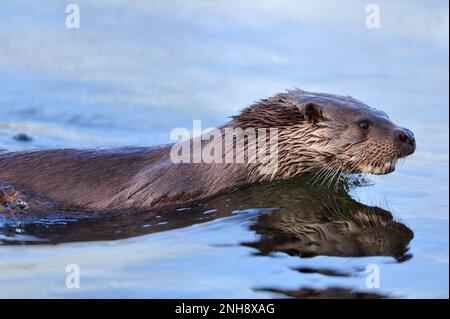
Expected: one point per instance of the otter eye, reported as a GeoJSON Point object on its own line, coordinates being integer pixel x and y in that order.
{"type": "Point", "coordinates": [364, 124]}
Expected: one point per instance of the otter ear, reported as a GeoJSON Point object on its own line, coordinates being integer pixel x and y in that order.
{"type": "Point", "coordinates": [312, 113]}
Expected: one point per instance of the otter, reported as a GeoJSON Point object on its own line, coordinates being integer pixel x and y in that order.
{"type": "Point", "coordinates": [319, 133]}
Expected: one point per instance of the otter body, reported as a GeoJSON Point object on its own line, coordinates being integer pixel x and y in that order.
{"type": "Point", "coordinates": [316, 133]}
{"type": "Point", "coordinates": [117, 179]}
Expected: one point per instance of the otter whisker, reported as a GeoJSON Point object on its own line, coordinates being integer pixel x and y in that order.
{"type": "Point", "coordinates": [327, 173]}
{"type": "Point", "coordinates": [330, 176]}
{"type": "Point", "coordinates": [333, 178]}
{"type": "Point", "coordinates": [320, 173]}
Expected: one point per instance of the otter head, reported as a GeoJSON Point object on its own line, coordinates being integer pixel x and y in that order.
{"type": "Point", "coordinates": [325, 132]}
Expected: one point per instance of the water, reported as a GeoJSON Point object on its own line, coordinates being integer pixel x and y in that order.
{"type": "Point", "coordinates": [132, 73]}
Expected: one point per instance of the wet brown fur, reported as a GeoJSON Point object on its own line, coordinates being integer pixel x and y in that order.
{"type": "Point", "coordinates": [316, 134]}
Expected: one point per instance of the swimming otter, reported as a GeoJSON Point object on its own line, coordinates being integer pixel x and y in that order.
{"type": "Point", "coordinates": [316, 132]}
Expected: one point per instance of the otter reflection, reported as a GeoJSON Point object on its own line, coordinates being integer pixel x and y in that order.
{"type": "Point", "coordinates": [327, 293]}
{"type": "Point", "coordinates": [304, 221]}
{"type": "Point", "coordinates": [331, 226]}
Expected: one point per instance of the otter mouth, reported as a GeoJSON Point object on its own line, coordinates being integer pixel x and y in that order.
{"type": "Point", "coordinates": [374, 168]}
{"type": "Point", "coordinates": [379, 169]}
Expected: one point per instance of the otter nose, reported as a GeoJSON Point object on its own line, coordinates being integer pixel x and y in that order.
{"type": "Point", "coordinates": [407, 140]}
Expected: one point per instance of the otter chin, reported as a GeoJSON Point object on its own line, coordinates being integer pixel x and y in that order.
{"type": "Point", "coordinates": [378, 169]}
{"type": "Point", "coordinates": [319, 133]}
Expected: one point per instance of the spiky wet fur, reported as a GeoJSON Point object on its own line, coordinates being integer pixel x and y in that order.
{"type": "Point", "coordinates": [143, 178]}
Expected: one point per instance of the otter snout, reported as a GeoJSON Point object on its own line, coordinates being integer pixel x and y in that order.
{"type": "Point", "coordinates": [406, 140]}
